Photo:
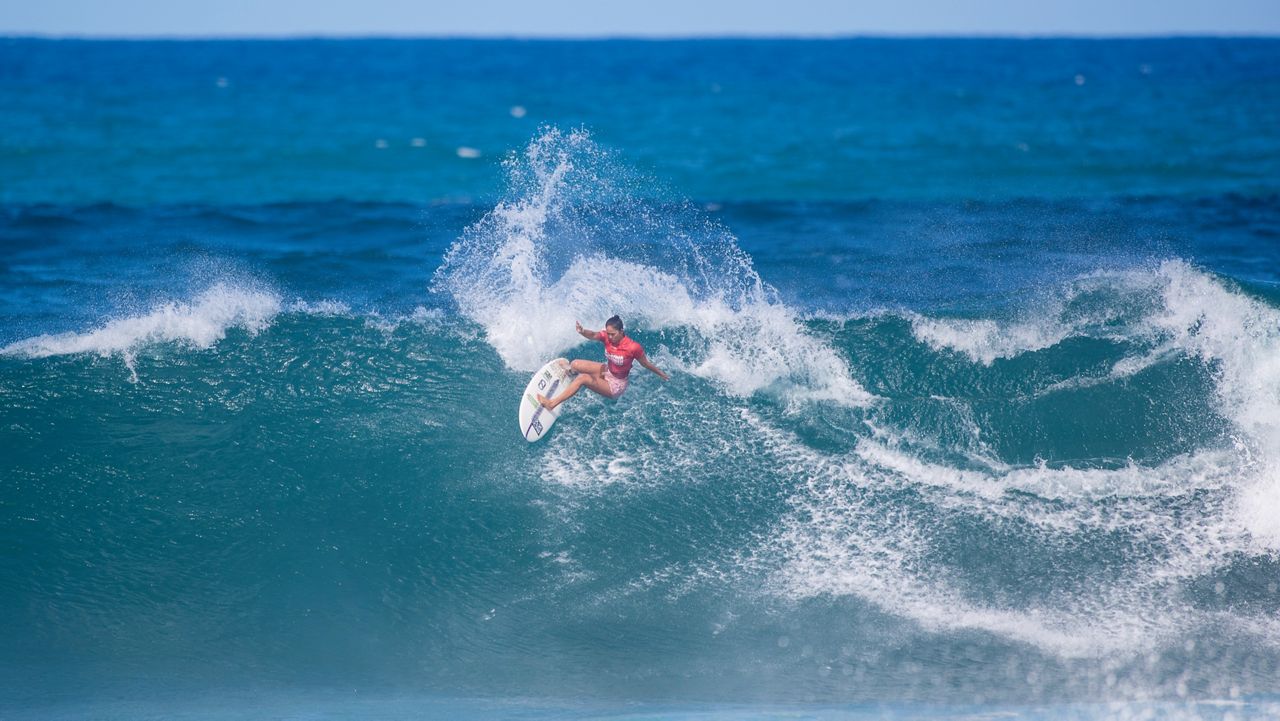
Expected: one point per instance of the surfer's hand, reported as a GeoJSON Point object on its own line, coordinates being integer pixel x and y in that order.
{"type": "Point", "coordinates": [578, 325]}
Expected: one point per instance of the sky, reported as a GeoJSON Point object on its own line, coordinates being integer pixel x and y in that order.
{"type": "Point", "coordinates": [635, 18]}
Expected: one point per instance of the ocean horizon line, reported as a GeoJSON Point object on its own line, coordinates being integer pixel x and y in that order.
{"type": "Point", "coordinates": [633, 37]}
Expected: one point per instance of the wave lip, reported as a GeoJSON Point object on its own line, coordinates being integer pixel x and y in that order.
{"type": "Point", "coordinates": [984, 340]}
{"type": "Point", "coordinates": [199, 323]}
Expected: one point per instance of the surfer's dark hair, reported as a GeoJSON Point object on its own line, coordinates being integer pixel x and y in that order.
{"type": "Point", "coordinates": [614, 322]}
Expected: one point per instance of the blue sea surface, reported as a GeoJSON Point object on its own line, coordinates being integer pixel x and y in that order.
{"type": "Point", "coordinates": [974, 405]}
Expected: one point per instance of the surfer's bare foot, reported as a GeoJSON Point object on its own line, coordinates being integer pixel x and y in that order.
{"type": "Point", "coordinates": [546, 402]}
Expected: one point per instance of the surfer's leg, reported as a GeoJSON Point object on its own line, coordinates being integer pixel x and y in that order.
{"type": "Point", "coordinates": [574, 386]}
{"type": "Point", "coordinates": [586, 366]}
{"type": "Point", "coordinates": [596, 383]}
{"type": "Point", "coordinates": [591, 375]}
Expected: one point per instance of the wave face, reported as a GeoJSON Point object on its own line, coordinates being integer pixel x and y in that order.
{"type": "Point", "coordinates": [903, 465]}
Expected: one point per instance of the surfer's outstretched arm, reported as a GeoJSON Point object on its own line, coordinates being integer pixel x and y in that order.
{"type": "Point", "coordinates": [588, 334]}
{"type": "Point", "coordinates": [644, 361]}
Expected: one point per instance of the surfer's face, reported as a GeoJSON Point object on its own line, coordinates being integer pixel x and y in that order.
{"type": "Point", "coordinates": [614, 334]}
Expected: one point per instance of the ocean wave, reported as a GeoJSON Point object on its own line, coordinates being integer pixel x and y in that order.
{"type": "Point", "coordinates": [852, 532]}
{"type": "Point", "coordinates": [198, 323]}
{"type": "Point", "coordinates": [1185, 520]}
{"type": "Point", "coordinates": [985, 340]}
{"type": "Point", "coordinates": [203, 321]}
{"type": "Point", "coordinates": [1174, 310]}
{"type": "Point", "coordinates": [868, 522]}
{"type": "Point", "coordinates": [571, 243]}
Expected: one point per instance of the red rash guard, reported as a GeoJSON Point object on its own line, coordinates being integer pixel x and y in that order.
{"type": "Point", "coordinates": [621, 356]}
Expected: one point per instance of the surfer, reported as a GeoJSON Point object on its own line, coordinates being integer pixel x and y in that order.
{"type": "Point", "coordinates": [609, 379]}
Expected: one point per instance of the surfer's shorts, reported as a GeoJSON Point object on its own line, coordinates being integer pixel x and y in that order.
{"type": "Point", "coordinates": [617, 386]}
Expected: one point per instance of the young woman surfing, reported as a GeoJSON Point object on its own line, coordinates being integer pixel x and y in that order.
{"type": "Point", "coordinates": [609, 379]}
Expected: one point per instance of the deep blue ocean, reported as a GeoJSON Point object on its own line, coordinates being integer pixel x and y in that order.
{"type": "Point", "coordinates": [974, 406]}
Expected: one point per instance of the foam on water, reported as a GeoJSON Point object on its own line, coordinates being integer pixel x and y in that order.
{"type": "Point", "coordinates": [852, 529]}
{"type": "Point", "coordinates": [574, 241]}
{"type": "Point", "coordinates": [1240, 337]}
{"type": "Point", "coordinates": [1104, 304]}
{"type": "Point", "coordinates": [1182, 312]}
{"type": "Point", "coordinates": [198, 323]}
{"type": "Point", "coordinates": [1186, 518]}
{"type": "Point", "coordinates": [986, 340]}
{"type": "Point", "coordinates": [320, 308]}
{"type": "Point", "coordinates": [201, 322]}
{"type": "Point", "coordinates": [845, 536]}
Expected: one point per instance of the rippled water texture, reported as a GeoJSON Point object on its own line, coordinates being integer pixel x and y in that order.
{"type": "Point", "coordinates": [965, 418]}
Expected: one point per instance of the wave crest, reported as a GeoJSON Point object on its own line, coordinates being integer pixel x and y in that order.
{"type": "Point", "coordinates": [198, 323]}
{"type": "Point", "coordinates": [575, 240]}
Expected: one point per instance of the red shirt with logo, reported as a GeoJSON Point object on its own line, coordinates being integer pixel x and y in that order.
{"type": "Point", "coordinates": [621, 356]}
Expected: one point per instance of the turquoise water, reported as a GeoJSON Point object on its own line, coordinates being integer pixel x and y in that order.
{"type": "Point", "coordinates": [974, 409]}
{"type": "Point", "coordinates": [251, 122]}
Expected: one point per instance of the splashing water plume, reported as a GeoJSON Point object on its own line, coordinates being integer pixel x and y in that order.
{"type": "Point", "coordinates": [574, 240]}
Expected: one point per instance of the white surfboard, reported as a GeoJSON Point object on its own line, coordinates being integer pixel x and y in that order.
{"type": "Point", "coordinates": [550, 380]}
